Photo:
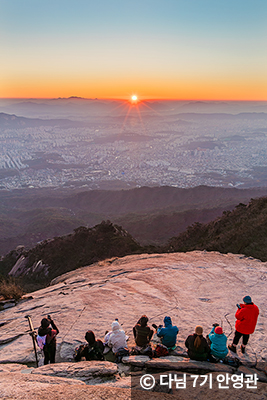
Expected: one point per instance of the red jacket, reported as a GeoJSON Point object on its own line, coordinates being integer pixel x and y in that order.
{"type": "Point", "coordinates": [246, 318]}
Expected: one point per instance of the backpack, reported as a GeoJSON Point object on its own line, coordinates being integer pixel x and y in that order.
{"type": "Point", "coordinates": [140, 351]}
{"type": "Point", "coordinates": [160, 351]}
{"type": "Point", "coordinates": [122, 352]}
{"type": "Point", "coordinates": [41, 341]}
{"type": "Point", "coordinates": [147, 352]}
{"type": "Point", "coordinates": [136, 351]}
{"type": "Point", "coordinates": [232, 361]}
{"type": "Point", "coordinates": [78, 351]}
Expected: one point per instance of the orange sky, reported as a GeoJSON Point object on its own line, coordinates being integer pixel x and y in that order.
{"type": "Point", "coordinates": [172, 49]}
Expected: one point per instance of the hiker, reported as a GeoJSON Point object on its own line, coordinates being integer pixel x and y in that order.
{"type": "Point", "coordinates": [218, 348]}
{"type": "Point", "coordinates": [168, 334]}
{"type": "Point", "coordinates": [91, 351]}
{"type": "Point", "coordinates": [246, 320]}
{"type": "Point", "coordinates": [142, 332]}
{"type": "Point", "coordinates": [197, 345]}
{"type": "Point", "coordinates": [46, 339]}
{"type": "Point", "coordinates": [114, 340]}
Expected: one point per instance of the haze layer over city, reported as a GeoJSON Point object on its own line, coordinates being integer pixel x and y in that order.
{"type": "Point", "coordinates": [109, 144]}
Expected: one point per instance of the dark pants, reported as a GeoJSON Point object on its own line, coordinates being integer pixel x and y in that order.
{"type": "Point", "coordinates": [238, 336]}
{"type": "Point", "coordinates": [49, 354]}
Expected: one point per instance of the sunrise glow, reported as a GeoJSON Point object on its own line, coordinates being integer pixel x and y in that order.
{"type": "Point", "coordinates": [181, 50]}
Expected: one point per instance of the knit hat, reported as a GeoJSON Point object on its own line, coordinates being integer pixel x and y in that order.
{"type": "Point", "coordinates": [45, 323]}
{"type": "Point", "coordinates": [198, 330]}
{"type": "Point", "coordinates": [218, 330]}
{"type": "Point", "coordinates": [247, 300]}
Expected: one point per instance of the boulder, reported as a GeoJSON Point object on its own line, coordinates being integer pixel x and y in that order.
{"type": "Point", "coordinates": [252, 371]}
{"type": "Point", "coordinates": [86, 371]}
{"type": "Point", "coordinates": [184, 364]}
{"type": "Point", "coordinates": [18, 386]}
{"type": "Point", "coordinates": [14, 368]}
{"type": "Point", "coordinates": [136, 361]}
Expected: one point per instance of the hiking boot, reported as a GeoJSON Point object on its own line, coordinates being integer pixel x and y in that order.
{"type": "Point", "coordinates": [243, 349]}
{"type": "Point", "coordinates": [232, 348]}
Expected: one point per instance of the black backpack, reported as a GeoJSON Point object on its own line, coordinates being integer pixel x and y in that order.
{"type": "Point", "coordinates": [232, 361]}
{"type": "Point", "coordinates": [122, 352]}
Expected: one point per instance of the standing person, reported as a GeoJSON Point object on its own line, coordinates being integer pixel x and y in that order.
{"type": "Point", "coordinates": [168, 334]}
{"type": "Point", "coordinates": [142, 332]}
{"type": "Point", "coordinates": [246, 320]}
{"type": "Point", "coordinates": [218, 340]}
{"type": "Point", "coordinates": [46, 339]}
{"type": "Point", "coordinates": [197, 345]}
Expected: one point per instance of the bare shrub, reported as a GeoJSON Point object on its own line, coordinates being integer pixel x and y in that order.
{"type": "Point", "coordinates": [9, 289]}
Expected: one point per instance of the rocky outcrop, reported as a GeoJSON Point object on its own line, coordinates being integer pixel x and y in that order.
{"type": "Point", "coordinates": [92, 372]}
{"type": "Point", "coordinates": [23, 267]}
{"type": "Point", "coordinates": [53, 257]}
{"type": "Point", "coordinates": [193, 288]}
{"type": "Point", "coordinates": [21, 386]}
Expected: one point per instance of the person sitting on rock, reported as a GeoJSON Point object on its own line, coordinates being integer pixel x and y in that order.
{"type": "Point", "coordinates": [91, 351]}
{"type": "Point", "coordinates": [218, 348]}
{"type": "Point", "coordinates": [142, 332]}
{"type": "Point", "coordinates": [168, 334]}
{"type": "Point", "coordinates": [115, 340]}
{"type": "Point", "coordinates": [197, 345]}
{"type": "Point", "coordinates": [246, 320]}
{"type": "Point", "coordinates": [46, 339]}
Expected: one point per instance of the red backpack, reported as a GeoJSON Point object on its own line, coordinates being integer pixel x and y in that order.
{"type": "Point", "coordinates": [161, 351]}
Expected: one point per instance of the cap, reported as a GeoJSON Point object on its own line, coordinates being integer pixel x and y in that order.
{"type": "Point", "coordinates": [247, 300]}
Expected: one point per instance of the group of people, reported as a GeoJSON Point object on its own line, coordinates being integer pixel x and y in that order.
{"type": "Point", "coordinates": [212, 348]}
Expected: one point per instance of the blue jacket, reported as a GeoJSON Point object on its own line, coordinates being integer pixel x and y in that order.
{"type": "Point", "coordinates": [218, 344]}
{"type": "Point", "coordinates": [168, 334]}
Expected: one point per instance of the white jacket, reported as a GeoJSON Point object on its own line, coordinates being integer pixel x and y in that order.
{"type": "Point", "coordinates": [118, 338]}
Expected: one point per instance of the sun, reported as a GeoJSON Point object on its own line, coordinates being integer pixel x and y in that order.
{"type": "Point", "coordinates": [134, 98]}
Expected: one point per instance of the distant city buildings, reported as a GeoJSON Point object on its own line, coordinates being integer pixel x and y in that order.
{"type": "Point", "coordinates": [205, 152]}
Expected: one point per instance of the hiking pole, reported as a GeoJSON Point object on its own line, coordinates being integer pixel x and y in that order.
{"type": "Point", "coordinates": [33, 335]}
{"type": "Point", "coordinates": [165, 312]}
{"type": "Point", "coordinates": [225, 316]}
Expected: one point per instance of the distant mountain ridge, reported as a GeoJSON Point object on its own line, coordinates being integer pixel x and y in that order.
{"type": "Point", "coordinates": [150, 214]}
{"type": "Point", "coordinates": [12, 121]}
{"type": "Point", "coordinates": [241, 231]}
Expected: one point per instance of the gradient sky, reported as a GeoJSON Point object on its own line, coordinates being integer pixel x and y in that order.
{"type": "Point", "coordinates": [181, 49]}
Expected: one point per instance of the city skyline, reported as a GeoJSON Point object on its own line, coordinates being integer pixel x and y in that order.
{"type": "Point", "coordinates": [194, 50]}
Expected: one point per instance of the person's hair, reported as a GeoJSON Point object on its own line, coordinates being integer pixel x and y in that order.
{"type": "Point", "coordinates": [143, 320]}
{"type": "Point", "coordinates": [90, 337]}
{"type": "Point", "coordinates": [198, 332]}
{"type": "Point", "coordinates": [45, 323]}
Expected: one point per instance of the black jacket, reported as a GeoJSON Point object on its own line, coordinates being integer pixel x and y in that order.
{"type": "Point", "coordinates": [200, 354]}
